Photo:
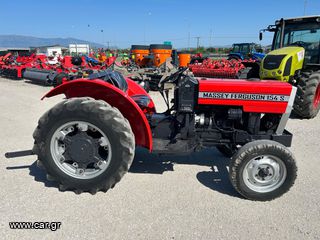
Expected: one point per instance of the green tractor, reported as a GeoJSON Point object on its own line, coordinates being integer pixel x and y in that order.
{"type": "Point", "coordinates": [295, 58]}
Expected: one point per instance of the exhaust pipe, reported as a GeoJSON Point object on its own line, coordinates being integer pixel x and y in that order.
{"type": "Point", "coordinates": [19, 154]}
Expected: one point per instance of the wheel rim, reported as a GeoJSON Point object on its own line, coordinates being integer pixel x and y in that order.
{"type": "Point", "coordinates": [81, 150]}
{"type": "Point", "coordinates": [264, 173]}
{"type": "Point", "coordinates": [316, 100]}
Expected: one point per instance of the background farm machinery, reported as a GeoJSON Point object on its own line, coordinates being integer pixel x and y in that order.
{"type": "Point", "coordinates": [294, 59]}
{"type": "Point", "coordinates": [41, 69]}
{"type": "Point", "coordinates": [147, 65]}
{"type": "Point", "coordinates": [246, 51]}
{"type": "Point", "coordinates": [154, 61]}
{"type": "Point", "coordinates": [222, 68]}
{"type": "Point", "coordinates": [157, 60]}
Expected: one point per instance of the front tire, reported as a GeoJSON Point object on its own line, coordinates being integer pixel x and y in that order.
{"type": "Point", "coordinates": [85, 145]}
{"type": "Point", "coordinates": [262, 170]}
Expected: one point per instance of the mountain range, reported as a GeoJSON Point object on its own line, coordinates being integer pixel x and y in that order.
{"type": "Point", "coordinates": [19, 41]}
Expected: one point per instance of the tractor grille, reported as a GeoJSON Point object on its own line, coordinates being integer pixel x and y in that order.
{"type": "Point", "coordinates": [272, 61]}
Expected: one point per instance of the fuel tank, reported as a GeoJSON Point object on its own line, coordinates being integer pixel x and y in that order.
{"type": "Point", "coordinates": [263, 96]}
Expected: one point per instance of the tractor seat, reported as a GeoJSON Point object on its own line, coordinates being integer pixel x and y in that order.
{"type": "Point", "coordinates": [113, 77]}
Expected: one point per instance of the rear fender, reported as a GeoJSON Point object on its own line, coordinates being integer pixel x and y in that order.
{"type": "Point", "coordinates": [101, 90]}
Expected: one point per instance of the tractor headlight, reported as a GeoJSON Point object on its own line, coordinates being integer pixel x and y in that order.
{"type": "Point", "coordinates": [273, 73]}
{"type": "Point", "coordinates": [279, 71]}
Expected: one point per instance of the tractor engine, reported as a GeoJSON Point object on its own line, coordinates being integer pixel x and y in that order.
{"type": "Point", "coordinates": [228, 123]}
{"type": "Point", "coordinates": [204, 114]}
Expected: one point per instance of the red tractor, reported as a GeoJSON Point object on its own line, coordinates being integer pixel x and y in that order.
{"type": "Point", "coordinates": [87, 142]}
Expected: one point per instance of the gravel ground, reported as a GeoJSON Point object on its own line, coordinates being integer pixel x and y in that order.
{"type": "Point", "coordinates": [162, 197]}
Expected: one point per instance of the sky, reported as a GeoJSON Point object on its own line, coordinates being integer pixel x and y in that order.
{"type": "Point", "coordinates": [122, 23]}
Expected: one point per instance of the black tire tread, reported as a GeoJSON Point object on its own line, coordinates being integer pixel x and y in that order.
{"type": "Point", "coordinates": [252, 147]}
{"type": "Point", "coordinates": [105, 112]}
{"type": "Point", "coordinates": [306, 88]}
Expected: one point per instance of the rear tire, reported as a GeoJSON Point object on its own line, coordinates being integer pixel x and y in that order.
{"type": "Point", "coordinates": [307, 101]}
{"type": "Point", "coordinates": [262, 170]}
{"type": "Point", "coordinates": [104, 164]}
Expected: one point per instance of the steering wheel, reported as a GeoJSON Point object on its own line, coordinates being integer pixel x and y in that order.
{"type": "Point", "coordinates": [298, 43]}
{"type": "Point", "coordinates": [172, 77]}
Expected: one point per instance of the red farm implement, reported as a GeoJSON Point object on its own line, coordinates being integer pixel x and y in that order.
{"type": "Point", "coordinates": [218, 68]}
{"type": "Point", "coordinates": [41, 69]}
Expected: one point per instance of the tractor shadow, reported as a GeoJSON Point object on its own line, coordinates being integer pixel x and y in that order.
{"type": "Point", "coordinates": [41, 176]}
{"type": "Point", "coordinates": [38, 174]}
{"type": "Point", "coordinates": [216, 179]}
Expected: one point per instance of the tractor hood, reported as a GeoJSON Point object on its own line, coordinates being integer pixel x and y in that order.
{"type": "Point", "coordinates": [281, 64]}
{"type": "Point", "coordinates": [262, 96]}
{"type": "Point", "coordinates": [286, 50]}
